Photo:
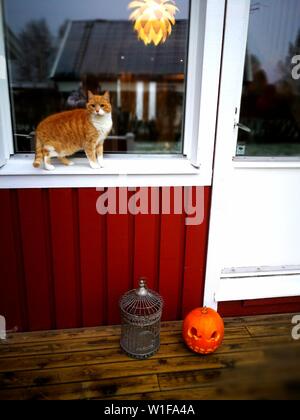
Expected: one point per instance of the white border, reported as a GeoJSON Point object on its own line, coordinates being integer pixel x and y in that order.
{"type": "Point", "coordinates": [204, 61]}
{"type": "Point", "coordinates": [235, 42]}
{"type": "Point", "coordinates": [250, 288]}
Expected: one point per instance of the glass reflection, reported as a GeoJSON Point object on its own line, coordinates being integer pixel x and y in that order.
{"type": "Point", "coordinates": [59, 50]}
{"type": "Point", "coordinates": [271, 95]}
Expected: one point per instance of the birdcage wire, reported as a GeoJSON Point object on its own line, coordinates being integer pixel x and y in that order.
{"type": "Point", "coordinates": [141, 311]}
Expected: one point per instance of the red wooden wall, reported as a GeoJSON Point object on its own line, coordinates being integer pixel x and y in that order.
{"type": "Point", "coordinates": [63, 265]}
{"type": "Point", "coordinates": [260, 307]}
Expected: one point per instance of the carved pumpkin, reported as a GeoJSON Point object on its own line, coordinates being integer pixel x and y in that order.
{"type": "Point", "coordinates": [203, 330]}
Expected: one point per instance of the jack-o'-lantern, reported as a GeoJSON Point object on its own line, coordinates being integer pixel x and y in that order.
{"type": "Point", "coordinates": [203, 330]}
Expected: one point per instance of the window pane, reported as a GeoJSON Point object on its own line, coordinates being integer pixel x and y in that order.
{"type": "Point", "coordinates": [271, 95]}
{"type": "Point", "coordinates": [59, 49]}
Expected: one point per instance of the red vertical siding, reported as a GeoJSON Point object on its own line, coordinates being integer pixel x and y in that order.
{"type": "Point", "coordinates": [92, 240]}
{"type": "Point", "coordinates": [64, 266]}
{"type": "Point", "coordinates": [120, 251]}
{"type": "Point", "coordinates": [195, 258]}
{"type": "Point", "coordinates": [64, 222]}
{"type": "Point", "coordinates": [261, 306]}
{"type": "Point", "coordinates": [147, 247]}
{"type": "Point", "coordinates": [33, 235]}
{"type": "Point", "coordinates": [11, 288]}
{"type": "Point", "coordinates": [172, 247]}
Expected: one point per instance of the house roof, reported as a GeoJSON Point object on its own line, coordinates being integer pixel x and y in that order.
{"type": "Point", "coordinates": [110, 48]}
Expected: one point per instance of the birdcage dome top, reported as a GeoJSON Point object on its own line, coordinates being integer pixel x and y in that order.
{"type": "Point", "coordinates": [141, 302]}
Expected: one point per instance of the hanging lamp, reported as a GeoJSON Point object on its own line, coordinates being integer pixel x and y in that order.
{"type": "Point", "coordinates": [153, 19]}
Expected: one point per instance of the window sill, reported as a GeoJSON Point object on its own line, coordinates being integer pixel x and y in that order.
{"type": "Point", "coordinates": [266, 162]}
{"type": "Point", "coordinates": [119, 171]}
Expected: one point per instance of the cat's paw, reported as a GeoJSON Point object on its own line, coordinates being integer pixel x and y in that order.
{"type": "Point", "coordinates": [101, 163]}
{"type": "Point", "coordinates": [95, 165]}
{"type": "Point", "coordinates": [49, 167]}
{"type": "Point", "coordinates": [71, 163]}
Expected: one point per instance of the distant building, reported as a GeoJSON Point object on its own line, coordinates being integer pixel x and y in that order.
{"type": "Point", "coordinates": [107, 55]}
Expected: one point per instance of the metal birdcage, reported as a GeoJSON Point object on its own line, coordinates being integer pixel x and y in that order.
{"type": "Point", "coordinates": [141, 311]}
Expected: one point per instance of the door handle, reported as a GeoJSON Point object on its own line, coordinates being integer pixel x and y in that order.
{"type": "Point", "coordinates": [243, 127]}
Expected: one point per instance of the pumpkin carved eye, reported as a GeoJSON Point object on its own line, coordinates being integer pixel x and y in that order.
{"type": "Point", "coordinates": [193, 333]}
{"type": "Point", "coordinates": [215, 336]}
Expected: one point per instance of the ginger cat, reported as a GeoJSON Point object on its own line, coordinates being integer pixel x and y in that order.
{"type": "Point", "coordinates": [66, 133]}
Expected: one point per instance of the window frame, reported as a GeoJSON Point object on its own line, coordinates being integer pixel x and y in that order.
{"type": "Point", "coordinates": [6, 134]}
{"type": "Point", "coordinates": [193, 167]}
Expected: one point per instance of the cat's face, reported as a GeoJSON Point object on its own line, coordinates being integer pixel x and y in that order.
{"type": "Point", "coordinates": [99, 105]}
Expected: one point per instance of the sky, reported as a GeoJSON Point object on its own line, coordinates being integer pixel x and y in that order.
{"type": "Point", "coordinates": [272, 28]}
{"type": "Point", "coordinates": [19, 12]}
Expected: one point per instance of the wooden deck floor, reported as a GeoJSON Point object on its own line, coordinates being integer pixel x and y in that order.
{"type": "Point", "coordinates": [258, 360]}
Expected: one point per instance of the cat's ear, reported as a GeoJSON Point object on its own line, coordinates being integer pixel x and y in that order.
{"type": "Point", "coordinates": [90, 95]}
{"type": "Point", "coordinates": [107, 96]}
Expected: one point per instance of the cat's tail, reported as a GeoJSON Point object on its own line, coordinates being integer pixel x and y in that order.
{"type": "Point", "coordinates": [38, 154]}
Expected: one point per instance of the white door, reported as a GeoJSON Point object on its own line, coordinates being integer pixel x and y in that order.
{"type": "Point", "coordinates": [254, 244]}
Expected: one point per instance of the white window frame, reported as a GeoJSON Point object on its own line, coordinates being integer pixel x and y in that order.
{"type": "Point", "coordinates": [193, 168]}
{"type": "Point", "coordinates": [6, 135]}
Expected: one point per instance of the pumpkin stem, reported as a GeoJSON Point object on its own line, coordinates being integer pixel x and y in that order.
{"type": "Point", "coordinates": [205, 310]}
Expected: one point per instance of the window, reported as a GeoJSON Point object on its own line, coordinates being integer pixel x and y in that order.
{"type": "Point", "coordinates": [271, 94]}
{"type": "Point", "coordinates": [164, 97]}
{"type": "Point", "coordinates": [58, 50]}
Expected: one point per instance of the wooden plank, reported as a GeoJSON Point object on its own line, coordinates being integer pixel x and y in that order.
{"type": "Point", "coordinates": [68, 346]}
{"type": "Point", "coordinates": [263, 375]}
{"type": "Point", "coordinates": [172, 249]}
{"type": "Point", "coordinates": [37, 263]}
{"type": "Point", "coordinates": [85, 390]}
{"type": "Point", "coordinates": [195, 261]}
{"type": "Point", "coordinates": [271, 379]}
{"type": "Point", "coordinates": [65, 240]}
{"type": "Point", "coordinates": [127, 369]}
{"type": "Point", "coordinates": [177, 395]}
{"type": "Point", "coordinates": [270, 330]}
{"type": "Point", "coordinates": [233, 327]}
{"type": "Point", "coordinates": [67, 366]}
{"type": "Point", "coordinates": [259, 320]}
{"type": "Point", "coordinates": [92, 240]}
{"type": "Point", "coordinates": [71, 334]}
{"type": "Point", "coordinates": [87, 344]}
{"type": "Point", "coordinates": [114, 354]}
{"type": "Point", "coordinates": [250, 391]}
{"type": "Point", "coordinates": [12, 300]}
{"type": "Point", "coordinates": [119, 260]}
